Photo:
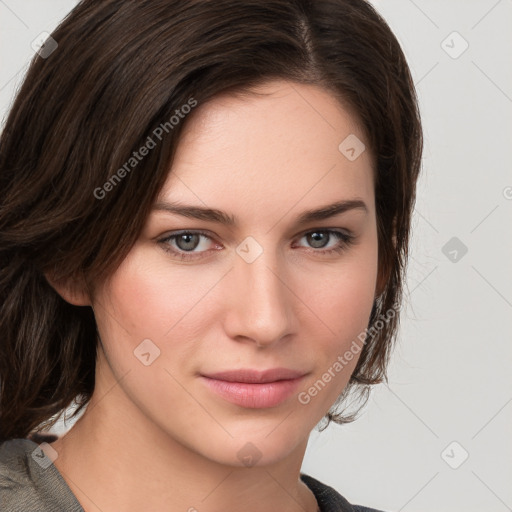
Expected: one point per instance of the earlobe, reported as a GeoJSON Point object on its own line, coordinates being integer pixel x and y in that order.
{"type": "Point", "coordinates": [71, 291]}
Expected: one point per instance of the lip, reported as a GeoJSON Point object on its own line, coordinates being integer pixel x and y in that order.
{"type": "Point", "coordinates": [254, 389]}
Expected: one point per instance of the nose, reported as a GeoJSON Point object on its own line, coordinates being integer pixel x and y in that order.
{"type": "Point", "coordinates": [260, 305]}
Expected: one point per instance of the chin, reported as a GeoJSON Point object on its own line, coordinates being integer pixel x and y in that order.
{"type": "Point", "coordinates": [256, 443]}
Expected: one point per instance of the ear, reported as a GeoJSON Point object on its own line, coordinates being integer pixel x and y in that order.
{"type": "Point", "coordinates": [72, 291]}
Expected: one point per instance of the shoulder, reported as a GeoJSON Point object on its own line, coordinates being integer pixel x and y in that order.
{"type": "Point", "coordinates": [16, 487]}
{"type": "Point", "coordinates": [330, 500]}
{"type": "Point", "coordinates": [29, 482]}
{"type": "Point", "coordinates": [13, 467]}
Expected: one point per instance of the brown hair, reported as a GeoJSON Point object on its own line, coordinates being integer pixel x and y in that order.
{"type": "Point", "coordinates": [123, 68]}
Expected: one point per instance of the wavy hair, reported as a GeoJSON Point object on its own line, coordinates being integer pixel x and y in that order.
{"type": "Point", "coordinates": [120, 69]}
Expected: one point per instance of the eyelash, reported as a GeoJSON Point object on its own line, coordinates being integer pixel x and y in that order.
{"type": "Point", "coordinates": [344, 241]}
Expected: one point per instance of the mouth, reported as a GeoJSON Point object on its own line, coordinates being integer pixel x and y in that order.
{"type": "Point", "coordinates": [254, 389]}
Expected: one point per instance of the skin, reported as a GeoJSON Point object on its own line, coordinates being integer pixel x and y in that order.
{"type": "Point", "coordinates": [155, 437]}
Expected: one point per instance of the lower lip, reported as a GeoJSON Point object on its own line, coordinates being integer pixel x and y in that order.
{"type": "Point", "coordinates": [254, 396]}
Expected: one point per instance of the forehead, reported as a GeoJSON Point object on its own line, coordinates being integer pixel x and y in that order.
{"type": "Point", "coordinates": [281, 144]}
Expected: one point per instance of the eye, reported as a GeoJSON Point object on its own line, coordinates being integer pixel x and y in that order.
{"type": "Point", "coordinates": [186, 242]}
{"type": "Point", "coordinates": [183, 244]}
{"type": "Point", "coordinates": [319, 239]}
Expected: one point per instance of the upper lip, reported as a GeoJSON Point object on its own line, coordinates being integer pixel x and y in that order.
{"type": "Point", "coordinates": [256, 376]}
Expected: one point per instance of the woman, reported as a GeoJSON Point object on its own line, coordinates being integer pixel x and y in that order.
{"type": "Point", "coordinates": [205, 215]}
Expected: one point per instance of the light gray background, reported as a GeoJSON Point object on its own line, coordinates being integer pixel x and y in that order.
{"type": "Point", "coordinates": [450, 377]}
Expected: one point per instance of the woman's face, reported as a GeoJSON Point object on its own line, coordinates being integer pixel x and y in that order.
{"type": "Point", "coordinates": [269, 290]}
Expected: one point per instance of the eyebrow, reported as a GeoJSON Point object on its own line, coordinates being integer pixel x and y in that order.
{"type": "Point", "coordinates": [214, 215]}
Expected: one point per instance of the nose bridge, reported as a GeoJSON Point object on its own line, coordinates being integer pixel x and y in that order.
{"type": "Point", "coordinates": [261, 309]}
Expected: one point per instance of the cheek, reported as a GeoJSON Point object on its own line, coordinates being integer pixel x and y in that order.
{"type": "Point", "coordinates": [345, 313]}
{"type": "Point", "coordinates": [342, 301]}
{"type": "Point", "coordinates": [151, 300]}
{"type": "Point", "coordinates": [343, 296]}
{"type": "Point", "coordinates": [147, 300]}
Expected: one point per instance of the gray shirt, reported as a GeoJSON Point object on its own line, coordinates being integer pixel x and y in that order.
{"type": "Point", "coordinates": [30, 482]}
